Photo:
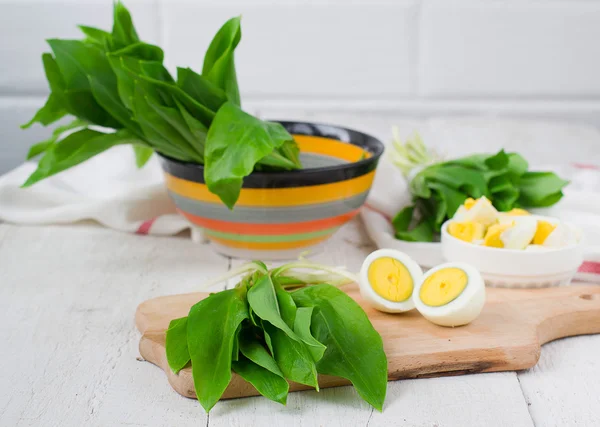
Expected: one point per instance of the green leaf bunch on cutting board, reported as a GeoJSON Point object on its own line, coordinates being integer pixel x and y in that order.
{"type": "Point", "coordinates": [439, 188]}
{"type": "Point", "coordinates": [117, 91]}
{"type": "Point", "coordinates": [276, 326]}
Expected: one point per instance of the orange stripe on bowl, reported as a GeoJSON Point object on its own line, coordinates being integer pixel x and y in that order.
{"type": "Point", "coordinates": [330, 147]}
{"type": "Point", "coordinates": [293, 196]}
{"type": "Point", "coordinates": [269, 245]}
{"type": "Point", "coordinates": [269, 229]}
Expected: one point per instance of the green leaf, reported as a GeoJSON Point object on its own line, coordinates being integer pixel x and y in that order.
{"type": "Point", "coordinates": [540, 189]}
{"type": "Point", "coordinates": [262, 298]}
{"type": "Point", "coordinates": [517, 165]}
{"type": "Point", "coordinates": [142, 154]}
{"type": "Point", "coordinates": [254, 351]}
{"type": "Point", "coordinates": [42, 146]}
{"type": "Point", "coordinates": [354, 348]}
{"type": "Point", "coordinates": [123, 32]}
{"type": "Point", "coordinates": [293, 357]}
{"type": "Point", "coordinates": [212, 324]}
{"type": "Point", "coordinates": [402, 220]}
{"type": "Point", "coordinates": [219, 64]}
{"type": "Point", "coordinates": [267, 383]}
{"type": "Point", "coordinates": [302, 329]}
{"type": "Point", "coordinates": [96, 36]}
{"type": "Point", "coordinates": [451, 197]}
{"type": "Point", "coordinates": [51, 112]}
{"type": "Point", "coordinates": [422, 232]}
{"type": "Point", "coordinates": [198, 130]}
{"type": "Point", "coordinates": [75, 149]}
{"type": "Point", "coordinates": [76, 61]}
{"type": "Point", "coordinates": [56, 105]}
{"type": "Point", "coordinates": [236, 141]}
{"type": "Point", "coordinates": [498, 161]}
{"type": "Point", "coordinates": [161, 135]}
{"type": "Point", "coordinates": [107, 95]}
{"type": "Point", "coordinates": [178, 355]}
{"type": "Point", "coordinates": [201, 89]}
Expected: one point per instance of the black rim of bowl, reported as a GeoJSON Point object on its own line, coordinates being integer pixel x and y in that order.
{"type": "Point", "coordinates": [302, 177]}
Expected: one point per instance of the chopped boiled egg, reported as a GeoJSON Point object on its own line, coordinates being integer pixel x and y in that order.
{"type": "Point", "coordinates": [467, 231]}
{"type": "Point", "coordinates": [516, 234]}
{"type": "Point", "coordinates": [480, 210]}
{"type": "Point", "coordinates": [544, 229]}
{"type": "Point", "coordinates": [560, 235]}
{"type": "Point", "coordinates": [387, 280]}
{"type": "Point", "coordinates": [517, 212]}
{"type": "Point", "coordinates": [450, 294]}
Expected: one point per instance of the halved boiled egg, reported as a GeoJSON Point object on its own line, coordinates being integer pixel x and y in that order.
{"type": "Point", "coordinates": [450, 294]}
{"type": "Point", "coordinates": [480, 210]}
{"type": "Point", "coordinates": [387, 280]}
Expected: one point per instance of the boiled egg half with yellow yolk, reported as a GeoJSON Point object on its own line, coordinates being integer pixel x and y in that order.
{"type": "Point", "coordinates": [451, 294]}
{"type": "Point", "coordinates": [387, 280]}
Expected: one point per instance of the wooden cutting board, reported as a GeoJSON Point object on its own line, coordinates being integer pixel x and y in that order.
{"type": "Point", "coordinates": [507, 336]}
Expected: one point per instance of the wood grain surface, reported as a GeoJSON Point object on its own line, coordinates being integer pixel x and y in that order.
{"type": "Point", "coordinates": [507, 336]}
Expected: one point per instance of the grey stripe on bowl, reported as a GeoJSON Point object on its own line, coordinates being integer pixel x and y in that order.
{"type": "Point", "coordinates": [312, 160]}
{"type": "Point", "coordinates": [269, 215]}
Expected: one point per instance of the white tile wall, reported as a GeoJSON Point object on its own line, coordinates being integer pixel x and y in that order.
{"type": "Point", "coordinates": [303, 50]}
{"type": "Point", "coordinates": [26, 24]}
{"type": "Point", "coordinates": [523, 48]}
{"type": "Point", "coordinates": [418, 58]}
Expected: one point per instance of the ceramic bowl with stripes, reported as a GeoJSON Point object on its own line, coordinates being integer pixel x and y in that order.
{"type": "Point", "coordinates": [282, 214]}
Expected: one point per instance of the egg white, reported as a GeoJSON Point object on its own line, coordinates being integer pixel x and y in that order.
{"type": "Point", "coordinates": [377, 301]}
{"type": "Point", "coordinates": [464, 308]}
{"type": "Point", "coordinates": [482, 211]}
{"type": "Point", "coordinates": [520, 234]}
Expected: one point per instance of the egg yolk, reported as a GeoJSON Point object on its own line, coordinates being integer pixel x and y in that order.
{"type": "Point", "coordinates": [443, 286]}
{"type": "Point", "coordinates": [467, 231]}
{"type": "Point", "coordinates": [517, 212]}
{"type": "Point", "coordinates": [544, 228]}
{"type": "Point", "coordinates": [492, 237]}
{"type": "Point", "coordinates": [469, 203]}
{"type": "Point", "coordinates": [390, 279]}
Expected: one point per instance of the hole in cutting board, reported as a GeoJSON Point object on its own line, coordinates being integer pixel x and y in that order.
{"type": "Point", "coordinates": [589, 297]}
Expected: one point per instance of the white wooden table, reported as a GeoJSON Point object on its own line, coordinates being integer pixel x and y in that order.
{"type": "Point", "coordinates": [69, 347]}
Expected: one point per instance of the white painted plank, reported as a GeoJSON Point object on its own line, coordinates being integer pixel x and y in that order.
{"type": "Point", "coordinates": [67, 301]}
{"type": "Point", "coordinates": [564, 387]}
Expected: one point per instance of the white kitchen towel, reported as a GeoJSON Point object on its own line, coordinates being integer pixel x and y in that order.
{"type": "Point", "coordinates": [580, 206]}
{"type": "Point", "coordinates": [108, 189]}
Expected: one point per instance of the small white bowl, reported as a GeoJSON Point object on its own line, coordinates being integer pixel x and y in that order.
{"type": "Point", "coordinates": [512, 268]}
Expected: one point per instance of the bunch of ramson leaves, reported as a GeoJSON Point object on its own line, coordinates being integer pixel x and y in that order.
{"type": "Point", "coordinates": [279, 325]}
{"type": "Point", "coordinates": [115, 81]}
{"type": "Point", "coordinates": [439, 188]}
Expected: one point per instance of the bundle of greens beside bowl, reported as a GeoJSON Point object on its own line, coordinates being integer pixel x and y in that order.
{"type": "Point", "coordinates": [114, 81]}
{"type": "Point", "coordinates": [438, 188]}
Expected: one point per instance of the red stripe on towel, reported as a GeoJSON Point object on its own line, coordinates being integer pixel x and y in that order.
{"type": "Point", "coordinates": [585, 166]}
{"type": "Point", "coordinates": [590, 267]}
{"type": "Point", "coordinates": [144, 228]}
{"type": "Point", "coordinates": [368, 206]}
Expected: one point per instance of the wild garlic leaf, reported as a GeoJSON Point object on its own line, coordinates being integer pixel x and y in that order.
{"type": "Point", "coordinates": [262, 299]}
{"type": "Point", "coordinates": [142, 154]}
{"type": "Point", "coordinates": [219, 64]}
{"type": "Point", "coordinates": [42, 146]}
{"type": "Point", "coordinates": [178, 355]}
{"type": "Point", "coordinates": [235, 143]}
{"type": "Point", "coordinates": [302, 325]}
{"type": "Point", "coordinates": [354, 348]}
{"type": "Point", "coordinates": [293, 357]}
{"type": "Point", "coordinates": [540, 189]}
{"type": "Point", "coordinates": [200, 88]}
{"type": "Point", "coordinates": [96, 36]}
{"type": "Point", "coordinates": [74, 149]}
{"type": "Point", "coordinates": [123, 32]}
{"type": "Point", "coordinates": [212, 324]}
{"type": "Point", "coordinates": [257, 353]}
{"type": "Point", "coordinates": [56, 106]}
{"type": "Point", "coordinates": [270, 385]}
